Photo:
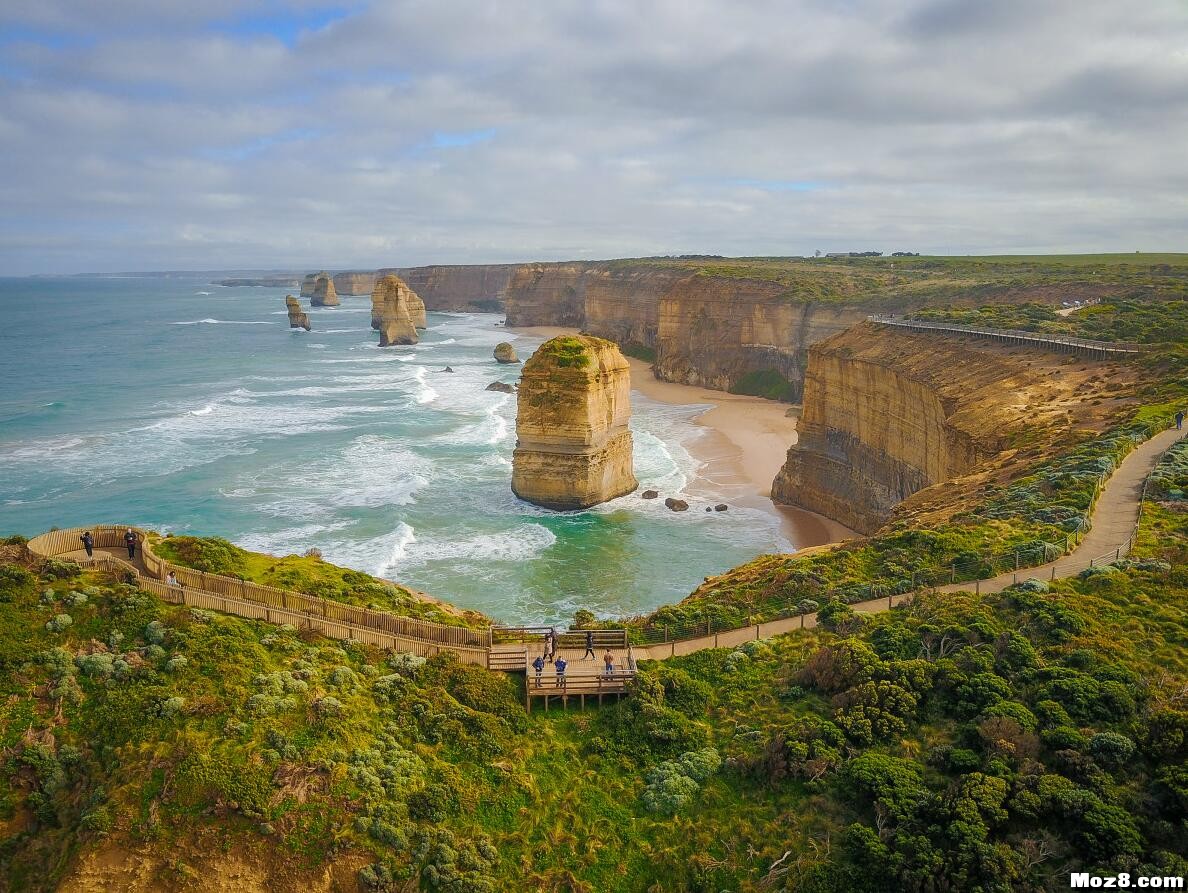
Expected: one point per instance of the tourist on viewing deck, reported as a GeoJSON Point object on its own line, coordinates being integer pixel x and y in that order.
{"type": "Point", "coordinates": [589, 646]}
{"type": "Point", "coordinates": [1179, 420]}
{"type": "Point", "coordinates": [608, 660]}
{"type": "Point", "coordinates": [171, 580]}
{"type": "Point", "coordinates": [559, 665]}
{"type": "Point", "coordinates": [550, 646]}
{"type": "Point", "coordinates": [88, 542]}
{"type": "Point", "coordinates": [538, 665]}
{"type": "Point", "coordinates": [130, 542]}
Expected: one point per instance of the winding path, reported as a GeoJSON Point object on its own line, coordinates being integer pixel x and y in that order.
{"type": "Point", "coordinates": [1111, 535]}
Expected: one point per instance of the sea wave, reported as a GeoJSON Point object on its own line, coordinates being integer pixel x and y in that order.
{"type": "Point", "coordinates": [521, 543]}
{"type": "Point", "coordinates": [209, 321]}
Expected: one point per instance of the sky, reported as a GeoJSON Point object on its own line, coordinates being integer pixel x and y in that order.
{"type": "Point", "coordinates": [252, 134]}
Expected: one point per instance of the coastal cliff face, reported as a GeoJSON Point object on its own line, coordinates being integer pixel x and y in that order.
{"type": "Point", "coordinates": [889, 413]}
{"type": "Point", "coordinates": [324, 294]}
{"type": "Point", "coordinates": [573, 448]}
{"type": "Point", "coordinates": [298, 318]}
{"type": "Point", "coordinates": [390, 312]}
{"type": "Point", "coordinates": [723, 332]}
{"type": "Point", "coordinates": [459, 288]}
{"type": "Point", "coordinates": [308, 283]}
{"type": "Point", "coordinates": [354, 284]}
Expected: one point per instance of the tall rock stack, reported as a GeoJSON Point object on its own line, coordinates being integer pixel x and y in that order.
{"type": "Point", "coordinates": [324, 294]}
{"type": "Point", "coordinates": [391, 313]}
{"type": "Point", "coordinates": [573, 446]}
{"type": "Point", "coordinates": [416, 309]}
{"type": "Point", "coordinates": [298, 318]}
{"type": "Point", "coordinates": [309, 282]}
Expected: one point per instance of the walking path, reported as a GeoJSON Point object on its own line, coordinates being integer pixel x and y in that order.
{"type": "Point", "coordinates": [1109, 538]}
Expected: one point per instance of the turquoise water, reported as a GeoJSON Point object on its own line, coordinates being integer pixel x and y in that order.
{"type": "Point", "coordinates": [186, 407]}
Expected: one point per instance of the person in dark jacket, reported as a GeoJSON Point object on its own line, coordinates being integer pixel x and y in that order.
{"type": "Point", "coordinates": [559, 665]}
{"type": "Point", "coordinates": [1180, 420]}
{"type": "Point", "coordinates": [130, 542]}
{"type": "Point", "coordinates": [88, 542]}
{"type": "Point", "coordinates": [589, 646]}
{"type": "Point", "coordinates": [538, 665]}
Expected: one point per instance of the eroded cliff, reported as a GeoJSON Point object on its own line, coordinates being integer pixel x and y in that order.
{"type": "Point", "coordinates": [354, 284]}
{"type": "Point", "coordinates": [479, 287]}
{"type": "Point", "coordinates": [889, 413]}
{"type": "Point", "coordinates": [573, 447]}
{"type": "Point", "coordinates": [298, 318]}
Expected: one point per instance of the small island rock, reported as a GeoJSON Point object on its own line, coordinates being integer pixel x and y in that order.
{"type": "Point", "coordinates": [324, 294]}
{"type": "Point", "coordinates": [676, 505]}
{"type": "Point", "coordinates": [505, 353]}
{"type": "Point", "coordinates": [502, 387]}
{"type": "Point", "coordinates": [649, 494]}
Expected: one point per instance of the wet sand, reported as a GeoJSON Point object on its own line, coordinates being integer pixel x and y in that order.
{"type": "Point", "coordinates": [745, 443]}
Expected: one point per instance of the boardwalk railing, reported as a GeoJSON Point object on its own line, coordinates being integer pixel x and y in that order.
{"type": "Point", "coordinates": [1062, 343]}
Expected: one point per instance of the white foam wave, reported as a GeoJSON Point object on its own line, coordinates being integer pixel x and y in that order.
{"type": "Point", "coordinates": [522, 543]}
{"type": "Point", "coordinates": [206, 410]}
{"type": "Point", "coordinates": [206, 293]}
{"type": "Point", "coordinates": [425, 394]}
{"type": "Point", "coordinates": [222, 322]}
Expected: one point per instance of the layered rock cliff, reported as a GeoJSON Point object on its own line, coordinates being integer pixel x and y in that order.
{"type": "Point", "coordinates": [573, 448]}
{"type": "Point", "coordinates": [324, 294]}
{"type": "Point", "coordinates": [479, 287]}
{"type": "Point", "coordinates": [730, 333]}
{"type": "Point", "coordinates": [391, 312]}
{"type": "Point", "coordinates": [354, 284]}
{"type": "Point", "coordinates": [308, 282]}
{"type": "Point", "coordinates": [889, 413]}
{"type": "Point", "coordinates": [298, 318]}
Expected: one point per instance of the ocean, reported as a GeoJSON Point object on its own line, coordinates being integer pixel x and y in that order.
{"type": "Point", "coordinates": [182, 406]}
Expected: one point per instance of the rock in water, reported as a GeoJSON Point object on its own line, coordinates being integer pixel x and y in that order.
{"type": "Point", "coordinates": [416, 310]}
{"type": "Point", "coordinates": [677, 505]}
{"type": "Point", "coordinates": [649, 494]}
{"type": "Point", "coordinates": [502, 386]}
{"type": "Point", "coordinates": [298, 318]}
{"type": "Point", "coordinates": [573, 446]}
{"type": "Point", "coordinates": [390, 312]}
{"type": "Point", "coordinates": [308, 283]}
{"type": "Point", "coordinates": [721, 507]}
{"type": "Point", "coordinates": [324, 294]}
{"type": "Point", "coordinates": [505, 353]}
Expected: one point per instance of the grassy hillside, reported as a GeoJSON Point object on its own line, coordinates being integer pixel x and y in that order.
{"type": "Point", "coordinates": [961, 743]}
{"type": "Point", "coordinates": [309, 574]}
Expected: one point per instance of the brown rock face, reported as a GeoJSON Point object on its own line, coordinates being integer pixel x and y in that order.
{"type": "Point", "coordinates": [889, 413]}
{"type": "Point", "coordinates": [308, 283]}
{"type": "Point", "coordinates": [505, 353]}
{"type": "Point", "coordinates": [298, 318]}
{"type": "Point", "coordinates": [413, 303]}
{"type": "Point", "coordinates": [390, 312]}
{"type": "Point", "coordinates": [324, 294]}
{"type": "Point", "coordinates": [574, 449]}
{"type": "Point", "coordinates": [354, 284]}
{"type": "Point", "coordinates": [452, 287]}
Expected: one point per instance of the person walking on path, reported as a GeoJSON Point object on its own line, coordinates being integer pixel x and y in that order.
{"type": "Point", "coordinates": [130, 542]}
{"type": "Point", "coordinates": [88, 542]}
{"type": "Point", "coordinates": [1180, 420]}
{"type": "Point", "coordinates": [559, 665]}
{"type": "Point", "coordinates": [608, 661]}
{"type": "Point", "coordinates": [538, 665]}
{"type": "Point", "coordinates": [589, 646]}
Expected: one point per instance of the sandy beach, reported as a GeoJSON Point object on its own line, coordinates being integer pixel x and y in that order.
{"type": "Point", "coordinates": [745, 444]}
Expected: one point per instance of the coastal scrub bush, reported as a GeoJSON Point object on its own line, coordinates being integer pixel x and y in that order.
{"type": "Point", "coordinates": [59, 622]}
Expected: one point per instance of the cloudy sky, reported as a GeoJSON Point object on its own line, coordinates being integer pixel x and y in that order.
{"type": "Point", "coordinates": [174, 134]}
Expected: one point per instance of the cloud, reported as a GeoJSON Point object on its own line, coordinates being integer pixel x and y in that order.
{"type": "Point", "coordinates": [266, 134]}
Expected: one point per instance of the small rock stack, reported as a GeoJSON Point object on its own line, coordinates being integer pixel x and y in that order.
{"type": "Point", "coordinates": [394, 312]}
{"type": "Point", "coordinates": [298, 318]}
{"type": "Point", "coordinates": [505, 353]}
{"type": "Point", "coordinates": [324, 294]}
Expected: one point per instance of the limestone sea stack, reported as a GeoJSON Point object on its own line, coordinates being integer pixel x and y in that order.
{"type": "Point", "coordinates": [505, 353]}
{"type": "Point", "coordinates": [390, 312]}
{"type": "Point", "coordinates": [573, 447]}
{"type": "Point", "coordinates": [324, 294]}
{"type": "Point", "coordinates": [298, 318]}
{"type": "Point", "coordinates": [308, 282]}
{"type": "Point", "coordinates": [416, 309]}
{"type": "Point", "coordinates": [385, 290]}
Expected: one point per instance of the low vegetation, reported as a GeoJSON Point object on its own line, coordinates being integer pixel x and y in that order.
{"type": "Point", "coordinates": [309, 574]}
{"type": "Point", "coordinates": [991, 743]}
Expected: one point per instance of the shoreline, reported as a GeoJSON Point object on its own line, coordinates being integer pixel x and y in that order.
{"type": "Point", "coordinates": [744, 443]}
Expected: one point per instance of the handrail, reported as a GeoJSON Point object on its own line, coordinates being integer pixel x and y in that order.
{"type": "Point", "coordinates": [58, 542]}
{"type": "Point", "coordinates": [1059, 341]}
